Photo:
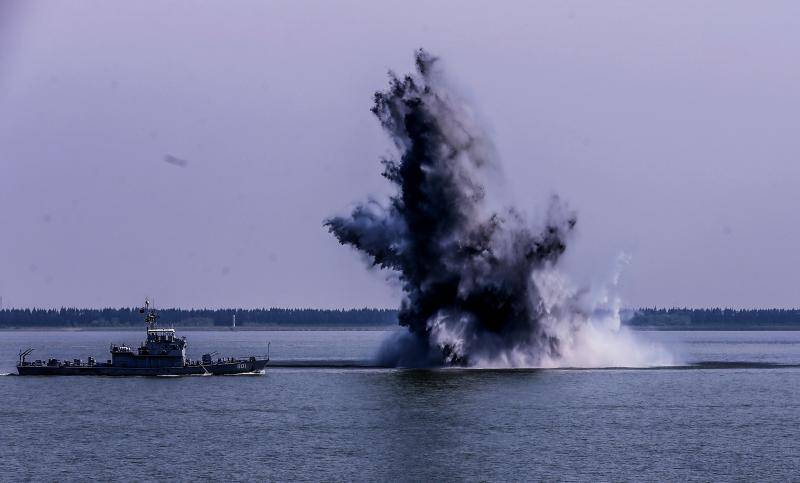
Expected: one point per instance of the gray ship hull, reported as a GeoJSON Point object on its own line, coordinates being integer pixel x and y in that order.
{"type": "Point", "coordinates": [244, 366]}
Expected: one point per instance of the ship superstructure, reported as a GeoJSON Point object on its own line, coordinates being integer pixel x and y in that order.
{"type": "Point", "coordinates": [161, 348]}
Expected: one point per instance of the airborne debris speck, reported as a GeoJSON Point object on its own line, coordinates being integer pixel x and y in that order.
{"type": "Point", "coordinates": [176, 161]}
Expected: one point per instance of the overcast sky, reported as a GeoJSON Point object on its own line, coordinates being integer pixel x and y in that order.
{"type": "Point", "coordinates": [671, 127]}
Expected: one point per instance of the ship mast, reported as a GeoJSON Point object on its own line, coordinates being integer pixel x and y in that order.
{"type": "Point", "coordinates": [150, 318]}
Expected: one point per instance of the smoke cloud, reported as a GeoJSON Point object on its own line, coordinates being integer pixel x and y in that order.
{"type": "Point", "coordinates": [480, 283]}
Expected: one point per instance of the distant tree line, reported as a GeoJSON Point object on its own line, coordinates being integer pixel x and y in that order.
{"type": "Point", "coordinates": [130, 317]}
{"type": "Point", "coordinates": [714, 319]}
{"type": "Point", "coordinates": [653, 318]}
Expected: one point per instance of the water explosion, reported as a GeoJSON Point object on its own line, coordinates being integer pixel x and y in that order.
{"type": "Point", "coordinates": [480, 284]}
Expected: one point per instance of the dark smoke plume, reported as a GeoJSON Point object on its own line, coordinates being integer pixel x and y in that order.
{"type": "Point", "coordinates": [466, 269]}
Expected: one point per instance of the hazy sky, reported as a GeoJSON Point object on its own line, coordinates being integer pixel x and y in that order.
{"type": "Point", "coordinates": [671, 127]}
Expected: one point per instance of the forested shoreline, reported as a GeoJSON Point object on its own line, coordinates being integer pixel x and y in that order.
{"type": "Point", "coordinates": [206, 318]}
{"type": "Point", "coordinates": [714, 319]}
{"type": "Point", "coordinates": [648, 318]}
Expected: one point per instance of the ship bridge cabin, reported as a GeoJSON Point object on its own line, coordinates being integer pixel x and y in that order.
{"type": "Point", "coordinates": [161, 349]}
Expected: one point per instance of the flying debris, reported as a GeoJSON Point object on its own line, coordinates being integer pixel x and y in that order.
{"type": "Point", "coordinates": [182, 163]}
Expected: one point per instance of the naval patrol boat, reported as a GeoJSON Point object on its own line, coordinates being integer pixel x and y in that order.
{"type": "Point", "coordinates": [161, 354]}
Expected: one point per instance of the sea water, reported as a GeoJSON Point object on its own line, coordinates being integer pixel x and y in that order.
{"type": "Point", "coordinates": [717, 422]}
